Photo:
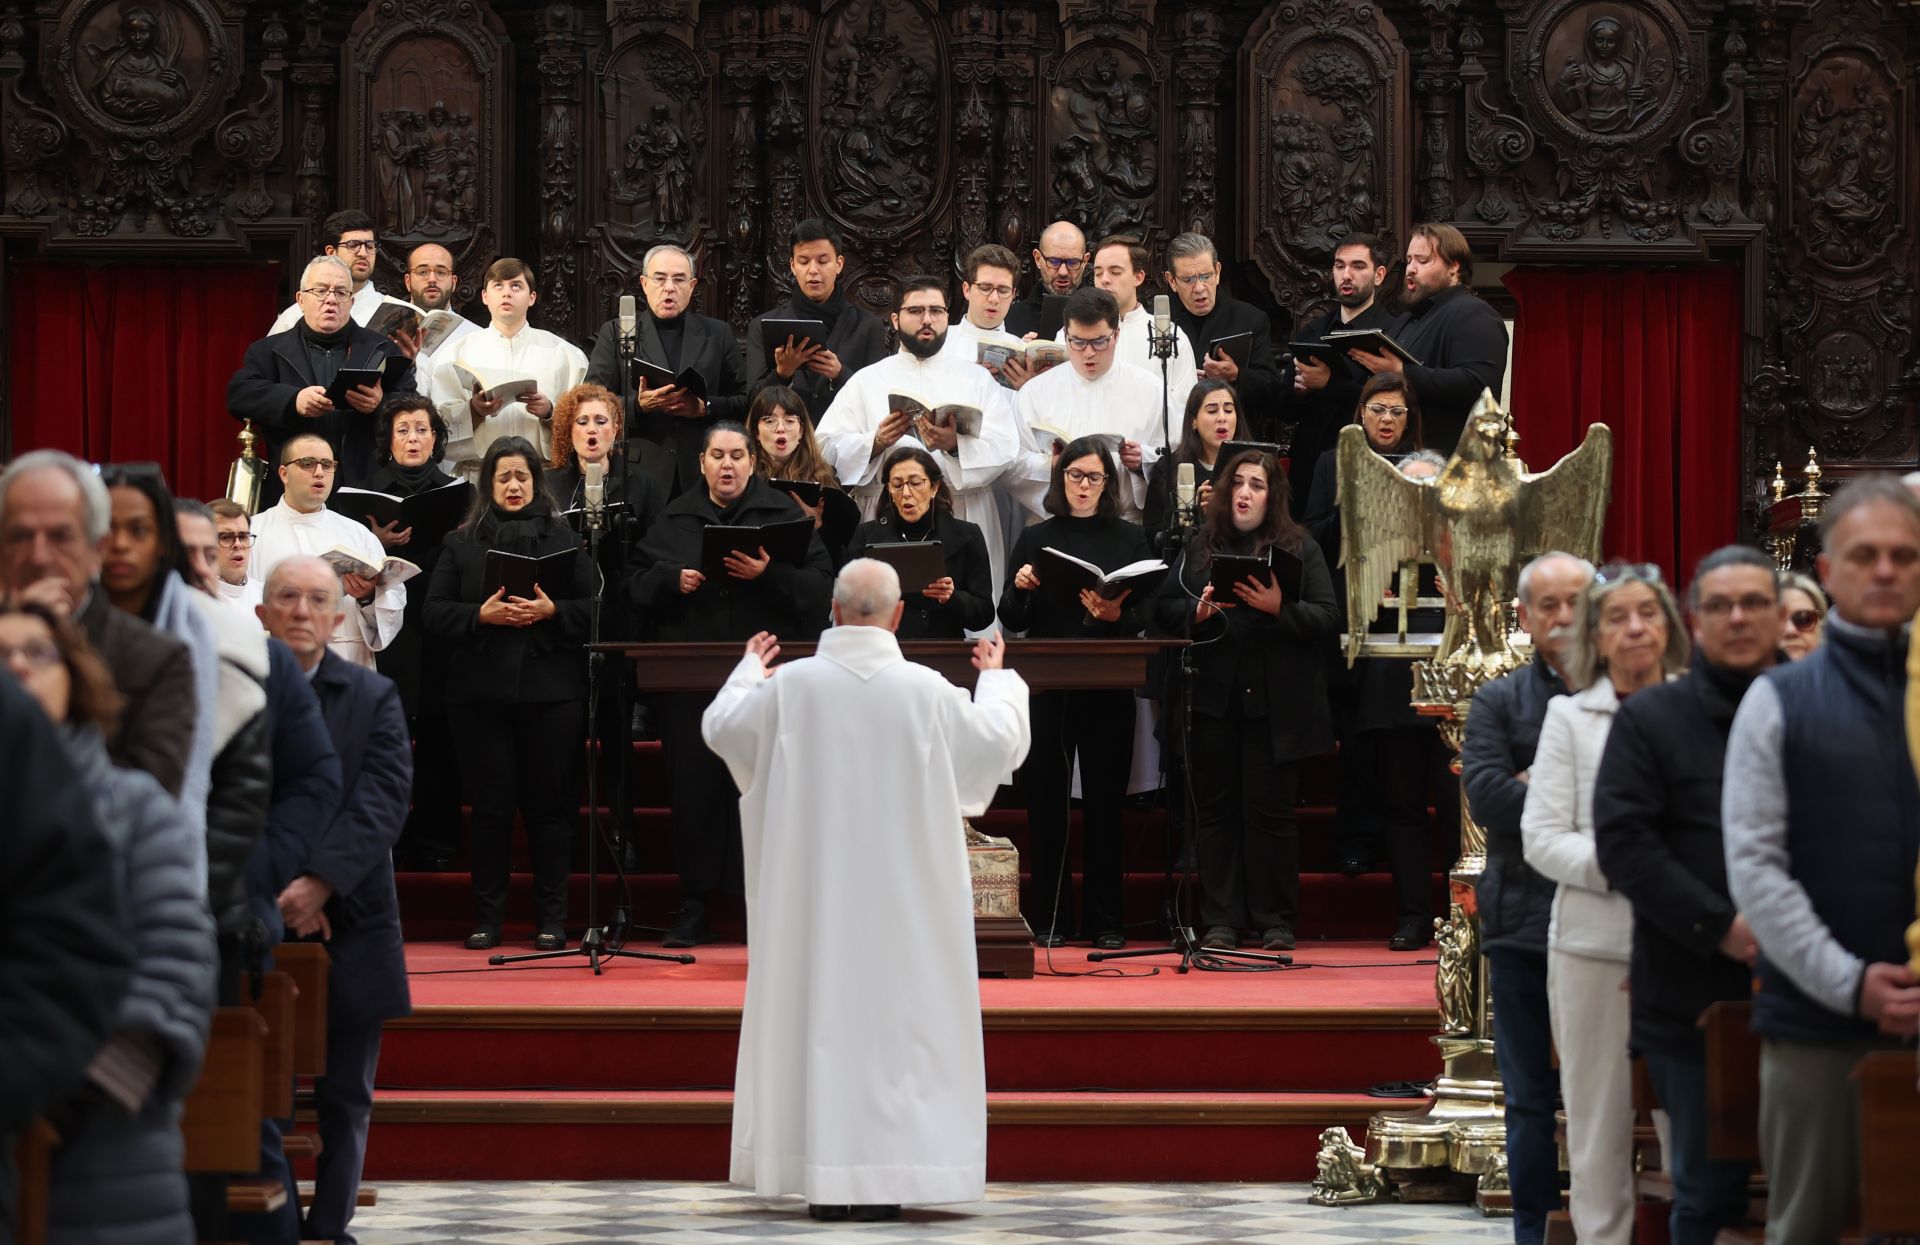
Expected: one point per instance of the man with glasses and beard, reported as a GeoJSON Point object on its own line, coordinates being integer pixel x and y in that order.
{"type": "Point", "coordinates": [866, 420]}
{"type": "Point", "coordinates": [1060, 264]}
{"type": "Point", "coordinates": [1205, 313]}
{"type": "Point", "coordinates": [430, 282]}
{"type": "Point", "coordinates": [354, 245]}
{"type": "Point", "coordinates": [1321, 399]}
{"type": "Point", "coordinates": [669, 333]}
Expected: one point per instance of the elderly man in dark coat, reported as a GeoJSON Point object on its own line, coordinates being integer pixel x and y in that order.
{"type": "Point", "coordinates": [283, 379]}
{"type": "Point", "coordinates": [345, 889]}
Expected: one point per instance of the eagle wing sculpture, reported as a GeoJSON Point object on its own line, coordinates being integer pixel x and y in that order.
{"type": "Point", "coordinates": [1384, 523]}
{"type": "Point", "coordinates": [1565, 506]}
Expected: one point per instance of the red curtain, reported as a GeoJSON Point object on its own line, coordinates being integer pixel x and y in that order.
{"type": "Point", "coordinates": [130, 362]}
{"type": "Point", "coordinates": [1655, 356]}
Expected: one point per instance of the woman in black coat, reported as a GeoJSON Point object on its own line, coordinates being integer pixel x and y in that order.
{"type": "Point", "coordinates": [1213, 419]}
{"type": "Point", "coordinates": [1254, 705]}
{"type": "Point", "coordinates": [515, 687]}
{"type": "Point", "coordinates": [1096, 725]}
{"type": "Point", "coordinates": [678, 600]}
{"type": "Point", "coordinates": [410, 446]}
{"type": "Point", "coordinates": [915, 507]}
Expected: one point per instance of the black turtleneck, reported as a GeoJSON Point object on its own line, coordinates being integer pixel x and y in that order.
{"type": "Point", "coordinates": [673, 335]}
{"type": "Point", "coordinates": [1107, 542]}
{"type": "Point", "coordinates": [828, 311]}
{"type": "Point", "coordinates": [326, 352]}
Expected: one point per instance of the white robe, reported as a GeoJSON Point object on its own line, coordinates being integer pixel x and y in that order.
{"type": "Point", "coordinates": [244, 596]}
{"type": "Point", "coordinates": [547, 357]}
{"type": "Point", "coordinates": [846, 431]}
{"type": "Point", "coordinates": [427, 360]}
{"type": "Point", "coordinates": [366, 301]}
{"type": "Point", "coordinates": [963, 342]}
{"type": "Point", "coordinates": [861, 1076]}
{"type": "Point", "coordinates": [1125, 401]}
{"type": "Point", "coordinates": [283, 532]}
{"type": "Point", "coordinates": [1182, 368]}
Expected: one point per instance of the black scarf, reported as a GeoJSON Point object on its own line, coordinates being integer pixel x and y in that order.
{"type": "Point", "coordinates": [829, 311]}
{"type": "Point", "coordinates": [419, 479]}
{"type": "Point", "coordinates": [515, 531]}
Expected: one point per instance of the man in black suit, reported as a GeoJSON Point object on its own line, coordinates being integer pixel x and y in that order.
{"type": "Point", "coordinates": [1461, 342]}
{"type": "Point", "coordinates": [671, 334]}
{"type": "Point", "coordinates": [1323, 395]}
{"type": "Point", "coordinates": [344, 891]}
{"type": "Point", "coordinates": [855, 338]}
{"type": "Point", "coordinates": [1060, 264]}
{"type": "Point", "coordinates": [1206, 314]}
{"type": "Point", "coordinates": [282, 382]}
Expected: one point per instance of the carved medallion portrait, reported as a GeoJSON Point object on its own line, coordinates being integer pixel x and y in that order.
{"type": "Point", "coordinates": [880, 137]}
{"type": "Point", "coordinates": [653, 110]}
{"type": "Point", "coordinates": [1103, 146]}
{"type": "Point", "coordinates": [1610, 72]}
{"type": "Point", "coordinates": [1844, 162]}
{"type": "Point", "coordinates": [427, 151]}
{"type": "Point", "coordinates": [142, 66]}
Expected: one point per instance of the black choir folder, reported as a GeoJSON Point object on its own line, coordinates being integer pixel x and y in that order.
{"type": "Point", "coordinates": [361, 377]}
{"type": "Point", "coordinates": [518, 573]}
{"type": "Point", "coordinates": [1063, 576]}
{"type": "Point", "coordinates": [431, 514]}
{"type": "Point", "coordinates": [651, 375]}
{"type": "Point", "coordinates": [786, 541]}
{"type": "Point", "coordinates": [917, 562]}
{"type": "Point", "coordinates": [838, 520]}
{"type": "Point", "coordinates": [1231, 568]}
{"type": "Point", "coordinates": [1337, 343]}
{"type": "Point", "coordinates": [775, 332]}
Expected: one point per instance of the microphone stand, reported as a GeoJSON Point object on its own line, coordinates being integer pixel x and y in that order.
{"type": "Point", "coordinates": [593, 941]}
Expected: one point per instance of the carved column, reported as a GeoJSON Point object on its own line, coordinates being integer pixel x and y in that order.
{"type": "Point", "coordinates": [315, 75]}
{"type": "Point", "coordinates": [1436, 85]}
{"type": "Point", "coordinates": [1198, 60]}
{"type": "Point", "coordinates": [1016, 228]}
{"type": "Point", "coordinates": [745, 197]}
{"type": "Point", "coordinates": [33, 136]}
{"type": "Point", "coordinates": [973, 77]}
{"type": "Point", "coordinates": [250, 137]}
{"type": "Point", "coordinates": [559, 63]}
{"type": "Point", "coordinates": [786, 36]}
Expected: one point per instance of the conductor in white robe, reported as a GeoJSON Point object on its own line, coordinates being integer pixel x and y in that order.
{"type": "Point", "coordinates": [861, 427]}
{"type": "Point", "coordinates": [861, 1082]}
{"type": "Point", "coordinates": [300, 523]}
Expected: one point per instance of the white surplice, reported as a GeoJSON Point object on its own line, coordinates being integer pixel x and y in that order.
{"type": "Point", "coordinates": [861, 1076]}
{"type": "Point", "coordinates": [283, 532]}
{"type": "Point", "coordinates": [427, 360]}
{"type": "Point", "coordinates": [1181, 374]}
{"type": "Point", "coordinates": [366, 301]}
{"type": "Point", "coordinates": [242, 596]}
{"type": "Point", "coordinates": [846, 431]}
{"type": "Point", "coordinates": [963, 342]}
{"type": "Point", "coordinates": [556, 363]}
{"type": "Point", "coordinates": [1124, 401]}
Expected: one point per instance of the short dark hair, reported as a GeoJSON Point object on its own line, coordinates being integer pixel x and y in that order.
{"type": "Point", "coordinates": [403, 403]}
{"type": "Point", "coordinates": [990, 255]}
{"type": "Point", "coordinates": [506, 268]}
{"type": "Point", "coordinates": [918, 283]}
{"type": "Point", "coordinates": [1091, 305]}
{"type": "Point", "coordinates": [286, 449]}
{"type": "Point", "coordinates": [1080, 447]}
{"type": "Point", "coordinates": [942, 498]}
{"type": "Point", "coordinates": [1376, 249]}
{"type": "Point", "coordinates": [344, 222]}
{"type": "Point", "coordinates": [224, 508]}
{"type": "Point", "coordinates": [1451, 245]}
{"type": "Point", "coordinates": [1136, 249]}
{"type": "Point", "coordinates": [193, 506]}
{"type": "Point", "coordinates": [1720, 559]}
{"type": "Point", "coordinates": [815, 229]}
{"type": "Point", "coordinates": [719, 426]}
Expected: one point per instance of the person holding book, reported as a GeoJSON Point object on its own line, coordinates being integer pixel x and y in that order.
{"type": "Point", "coordinates": [374, 605]}
{"type": "Point", "coordinates": [1460, 340]}
{"type": "Point", "coordinates": [1060, 261]}
{"type": "Point", "coordinates": [784, 449]}
{"type": "Point", "coordinates": [290, 383]}
{"type": "Point", "coordinates": [988, 292]}
{"type": "Point", "coordinates": [1235, 339]}
{"type": "Point", "coordinates": [502, 381]}
{"type": "Point", "coordinates": [1099, 394]}
{"type": "Point", "coordinates": [431, 282]}
{"type": "Point", "coordinates": [1095, 726]}
{"type": "Point", "coordinates": [515, 686]}
{"type": "Point", "coordinates": [681, 592]}
{"type": "Point", "coordinates": [413, 446]}
{"type": "Point", "coordinates": [1253, 706]}
{"type": "Point", "coordinates": [916, 509]}
{"type": "Point", "coordinates": [853, 337]}
{"type": "Point", "coordinates": [1326, 388]}
{"type": "Point", "coordinates": [670, 337]}
{"type": "Point", "coordinates": [1213, 419]}
{"type": "Point", "coordinates": [904, 400]}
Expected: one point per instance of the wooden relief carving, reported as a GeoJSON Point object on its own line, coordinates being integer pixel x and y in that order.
{"type": "Point", "coordinates": [881, 121]}
{"type": "Point", "coordinates": [427, 87]}
{"type": "Point", "coordinates": [1326, 89]}
{"type": "Point", "coordinates": [653, 116]}
{"type": "Point", "coordinates": [1103, 145]}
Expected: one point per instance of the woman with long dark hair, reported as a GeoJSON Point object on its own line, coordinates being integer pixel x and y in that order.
{"type": "Point", "coordinates": [1254, 706]}
{"type": "Point", "coordinates": [780, 433]}
{"type": "Point", "coordinates": [515, 687]}
{"type": "Point", "coordinates": [1096, 726]}
{"type": "Point", "coordinates": [1213, 418]}
{"type": "Point", "coordinates": [915, 507]}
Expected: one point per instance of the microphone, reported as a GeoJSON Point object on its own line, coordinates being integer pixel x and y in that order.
{"type": "Point", "coordinates": [629, 324]}
{"type": "Point", "coordinates": [595, 475]}
{"type": "Point", "coordinates": [1162, 341]}
{"type": "Point", "coordinates": [1187, 512]}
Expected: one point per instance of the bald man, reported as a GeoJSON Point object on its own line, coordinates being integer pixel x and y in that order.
{"type": "Point", "coordinates": [1060, 265]}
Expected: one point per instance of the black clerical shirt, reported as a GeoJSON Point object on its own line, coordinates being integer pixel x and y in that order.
{"type": "Point", "coordinates": [1461, 343]}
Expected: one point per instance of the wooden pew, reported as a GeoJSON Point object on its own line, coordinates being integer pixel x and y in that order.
{"type": "Point", "coordinates": [277, 1002]}
{"type": "Point", "coordinates": [1733, 1082]}
{"type": "Point", "coordinates": [33, 1176]}
{"type": "Point", "coordinates": [307, 963]}
{"type": "Point", "coordinates": [1889, 1144]}
{"type": "Point", "coordinates": [221, 1120]}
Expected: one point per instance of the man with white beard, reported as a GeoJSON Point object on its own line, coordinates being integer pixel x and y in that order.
{"type": "Point", "coordinates": [863, 423]}
{"type": "Point", "coordinates": [300, 523]}
{"type": "Point", "coordinates": [861, 1082]}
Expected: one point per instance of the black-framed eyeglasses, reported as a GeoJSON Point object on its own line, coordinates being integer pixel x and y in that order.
{"type": "Point", "coordinates": [356, 244]}
{"type": "Point", "coordinates": [1078, 476]}
{"type": "Point", "coordinates": [1095, 344]}
{"type": "Point", "coordinates": [235, 540]}
{"type": "Point", "coordinates": [1621, 572]}
{"type": "Point", "coordinates": [911, 485]}
{"type": "Point", "coordinates": [327, 294]}
{"type": "Point", "coordinates": [1058, 264]}
{"type": "Point", "coordinates": [315, 464]}
{"type": "Point", "coordinates": [1752, 603]}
